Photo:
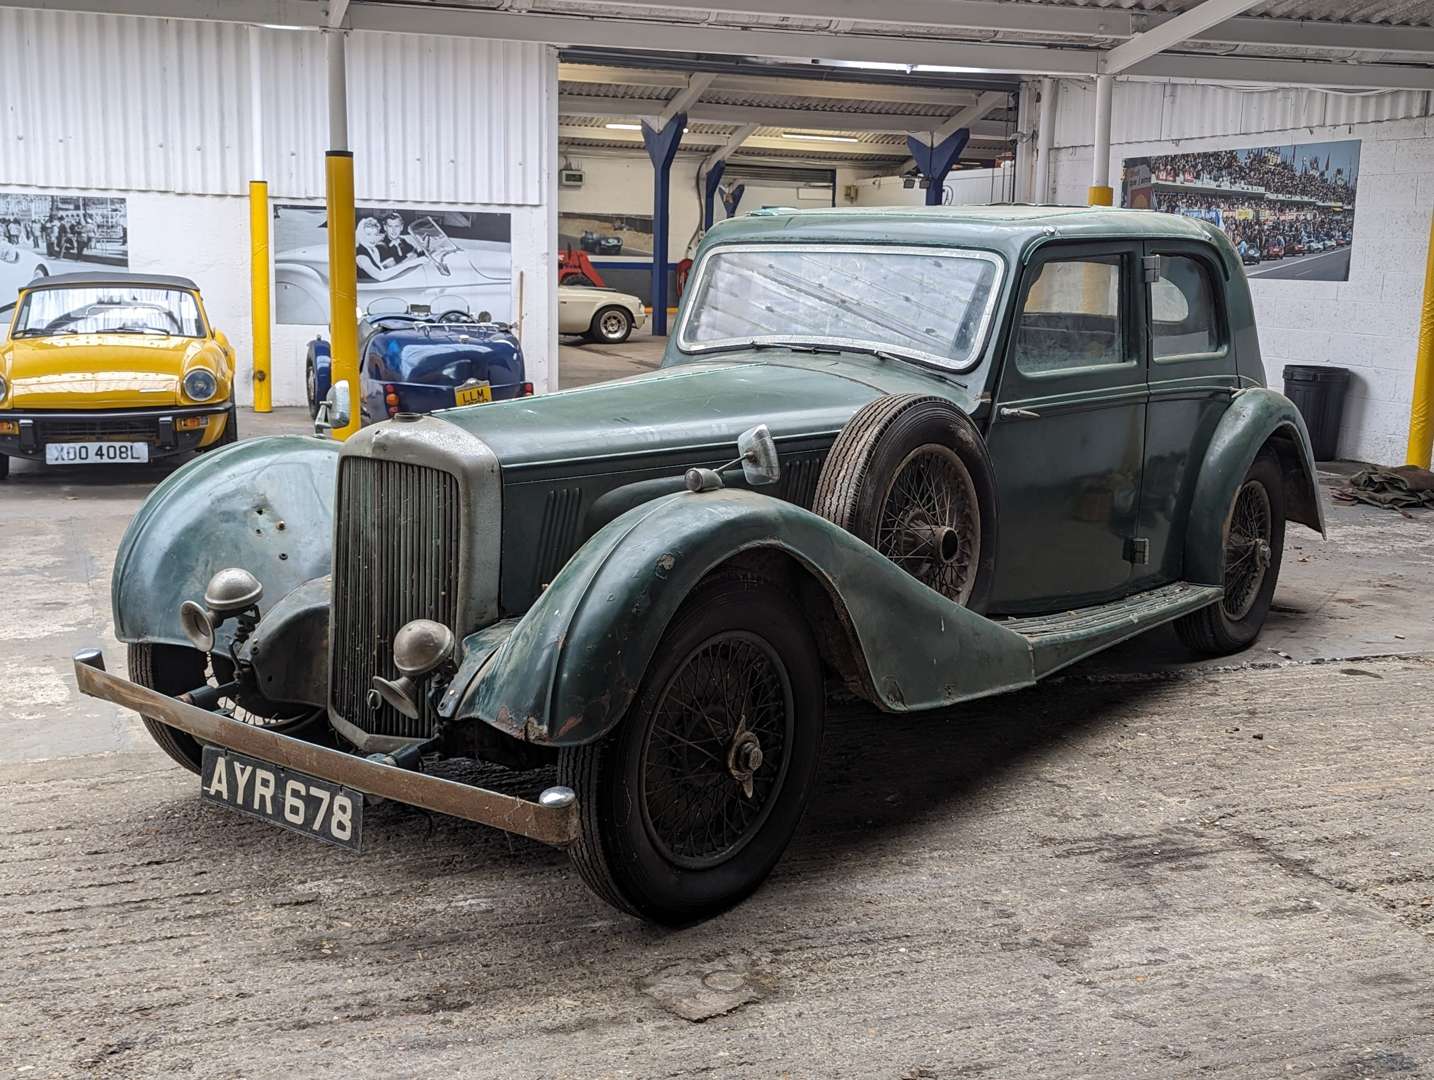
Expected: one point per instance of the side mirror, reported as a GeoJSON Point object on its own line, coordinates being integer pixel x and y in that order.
{"type": "Point", "coordinates": [334, 409]}
{"type": "Point", "coordinates": [760, 463]}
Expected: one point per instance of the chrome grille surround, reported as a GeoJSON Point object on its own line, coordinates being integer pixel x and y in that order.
{"type": "Point", "coordinates": [417, 523]}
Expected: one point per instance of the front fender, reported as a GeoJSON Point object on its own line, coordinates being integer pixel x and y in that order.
{"type": "Point", "coordinates": [1256, 416]}
{"type": "Point", "coordinates": [572, 665]}
{"type": "Point", "coordinates": [263, 504]}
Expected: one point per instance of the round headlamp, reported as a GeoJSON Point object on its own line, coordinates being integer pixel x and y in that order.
{"type": "Point", "coordinates": [4, 388]}
{"type": "Point", "coordinates": [200, 385]}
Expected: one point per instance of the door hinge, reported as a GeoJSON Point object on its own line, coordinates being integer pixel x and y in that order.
{"type": "Point", "coordinates": [1151, 263]}
{"type": "Point", "coordinates": [1137, 551]}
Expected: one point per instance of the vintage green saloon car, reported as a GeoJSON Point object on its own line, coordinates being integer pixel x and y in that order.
{"type": "Point", "coordinates": [925, 454]}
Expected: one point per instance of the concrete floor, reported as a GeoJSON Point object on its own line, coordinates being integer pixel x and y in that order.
{"type": "Point", "coordinates": [1145, 868]}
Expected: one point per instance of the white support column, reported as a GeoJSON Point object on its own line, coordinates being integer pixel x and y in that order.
{"type": "Point", "coordinates": [1045, 137]}
{"type": "Point", "coordinates": [338, 91]}
{"type": "Point", "coordinates": [1100, 193]}
{"type": "Point", "coordinates": [1025, 143]}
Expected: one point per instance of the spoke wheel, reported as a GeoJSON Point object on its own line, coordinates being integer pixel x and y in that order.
{"type": "Point", "coordinates": [928, 522]}
{"type": "Point", "coordinates": [716, 751]}
{"type": "Point", "coordinates": [1247, 549]}
{"type": "Point", "coordinates": [687, 804]}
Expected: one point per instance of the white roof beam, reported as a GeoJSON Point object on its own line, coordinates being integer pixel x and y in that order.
{"type": "Point", "coordinates": [730, 147]}
{"type": "Point", "coordinates": [684, 98]}
{"type": "Point", "coordinates": [985, 105]}
{"type": "Point", "coordinates": [1185, 25]}
{"type": "Point", "coordinates": [795, 119]}
{"type": "Point", "coordinates": [334, 12]}
{"type": "Point", "coordinates": [601, 75]}
{"type": "Point", "coordinates": [693, 140]}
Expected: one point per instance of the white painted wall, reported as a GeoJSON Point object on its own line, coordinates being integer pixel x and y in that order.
{"type": "Point", "coordinates": [965, 188]}
{"type": "Point", "coordinates": [159, 113]}
{"type": "Point", "coordinates": [1369, 323]}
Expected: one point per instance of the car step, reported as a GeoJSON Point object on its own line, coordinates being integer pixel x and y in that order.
{"type": "Point", "coordinates": [1063, 638]}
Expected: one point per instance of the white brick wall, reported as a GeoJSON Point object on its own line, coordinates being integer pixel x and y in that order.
{"type": "Point", "coordinates": [1370, 323]}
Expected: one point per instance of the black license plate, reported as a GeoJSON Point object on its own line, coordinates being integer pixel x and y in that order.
{"type": "Point", "coordinates": [305, 804]}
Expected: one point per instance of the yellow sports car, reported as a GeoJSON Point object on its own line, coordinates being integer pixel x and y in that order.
{"type": "Point", "coordinates": [112, 368]}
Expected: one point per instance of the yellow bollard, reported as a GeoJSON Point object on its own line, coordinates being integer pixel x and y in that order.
{"type": "Point", "coordinates": [1421, 407]}
{"type": "Point", "coordinates": [1100, 196]}
{"type": "Point", "coordinates": [343, 281]}
{"type": "Point", "coordinates": [259, 294]}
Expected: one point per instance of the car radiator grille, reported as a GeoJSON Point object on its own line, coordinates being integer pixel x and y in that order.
{"type": "Point", "coordinates": [99, 428]}
{"type": "Point", "coordinates": [395, 559]}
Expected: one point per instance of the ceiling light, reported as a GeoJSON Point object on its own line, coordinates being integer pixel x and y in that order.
{"type": "Point", "coordinates": [623, 127]}
{"type": "Point", "coordinates": [805, 137]}
{"type": "Point", "coordinates": [278, 26]}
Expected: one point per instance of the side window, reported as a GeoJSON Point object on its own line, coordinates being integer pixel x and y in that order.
{"type": "Point", "coordinates": [1071, 318]}
{"type": "Point", "coordinates": [1183, 320]}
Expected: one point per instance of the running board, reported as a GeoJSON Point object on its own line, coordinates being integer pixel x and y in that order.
{"type": "Point", "coordinates": [1063, 638]}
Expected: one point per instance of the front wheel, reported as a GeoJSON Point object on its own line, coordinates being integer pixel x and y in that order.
{"type": "Point", "coordinates": [690, 802]}
{"type": "Point", "coordinates": [1254, 542]}
{"type": "Point", "coordinates": [611, 326]}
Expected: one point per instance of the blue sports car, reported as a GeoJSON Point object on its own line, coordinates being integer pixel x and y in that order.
{"type": "Point", "coordinates": [413, 360]}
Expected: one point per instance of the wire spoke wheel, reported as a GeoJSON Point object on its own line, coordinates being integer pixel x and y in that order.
{"type": "Point", "coordinates": [928, 519]}
{"type": "Point", "coordinates": [716, 751]}
{"type": "Point", "coordinates": [1247, 549]}
{"type": "Point", "coordinates": [220, 670]}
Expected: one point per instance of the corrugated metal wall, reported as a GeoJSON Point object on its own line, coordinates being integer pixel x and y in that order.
{"type": "Point", "coordinates": [121, 103]}
{"type": "Point", "coordinates": [1151, 111]}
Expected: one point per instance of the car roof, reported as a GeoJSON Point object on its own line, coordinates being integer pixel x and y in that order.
{"type": "Point", "coordinates": [113, 277]}
{"type": "Point", "coordinates": [1010, 227]}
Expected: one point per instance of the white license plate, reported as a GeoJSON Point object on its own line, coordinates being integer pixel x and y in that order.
{"type": "Point", "coordinates": [96, 453]}
{"type": "Point", "coordinates": [317, 808]}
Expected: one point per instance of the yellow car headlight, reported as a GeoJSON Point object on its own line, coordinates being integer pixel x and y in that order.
{"type": "Point", "coordinates": [200, 384]}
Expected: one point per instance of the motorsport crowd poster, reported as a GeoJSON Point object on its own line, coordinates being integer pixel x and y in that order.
{"type": "Point", "coordinates": [1288, 209]}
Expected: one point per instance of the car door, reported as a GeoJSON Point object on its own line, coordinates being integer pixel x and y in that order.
{"type": "Point", "coordinates": [574, 310]}
{"type": "Point", "coordinates": [1192, 376]}
{"type": "Point", "coordinates": [1067, 434]}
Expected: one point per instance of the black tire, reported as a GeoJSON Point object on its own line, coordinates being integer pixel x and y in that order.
{"type": "Point", "coordinates": [1235, 621]}
{"type": "Point", "coordinates": [661, 873]}
{"type": "Point", "coordinates": [311, 390]}
{"type": "Point", "coordinates": [610, 326]}
{"type": "Point", "coordinates": [575, 279]}
{"type": "Point", "coordinates": [172, 670]}
{"type": "Point", "coordinates": [946, 542]}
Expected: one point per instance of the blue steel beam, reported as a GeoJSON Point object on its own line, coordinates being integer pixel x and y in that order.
{"type": "Point", "coordinates": [709, 193]}
{"type": "Point", "coordinates": [661, 149]}
{"type": "Point", "coordinates": [936, 161]}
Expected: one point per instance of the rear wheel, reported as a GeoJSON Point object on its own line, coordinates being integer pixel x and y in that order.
{"type": "Point", "coordinates": [611, 326]}
{"type": "Point", "coordinates": [311, 390]}
{"type": "Point", "coordinates": [690, 802]}
{"type": "Point", "coordinates": [1254, 543]}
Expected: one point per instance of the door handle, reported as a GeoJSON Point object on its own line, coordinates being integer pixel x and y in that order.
{"type": "Point", "coordinates": [1010, 412]}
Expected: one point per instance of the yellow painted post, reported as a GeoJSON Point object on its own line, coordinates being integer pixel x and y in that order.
{"type": "Point", "coordinates": [343, 280]}
{"type": "Point", "coordinates": [1100, 195]}
{"type": "Point", "coordinates": [259, 293]}
{"type": "Point", "coordinates": [1421, 408]}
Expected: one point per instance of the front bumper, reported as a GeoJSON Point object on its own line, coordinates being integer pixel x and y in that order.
{"type": "Point", "coordinates": [157, 427]}
{"type": "Point", "coordinates": [553, 821]}
{"type": "Point", "coordinates": [639, 318]}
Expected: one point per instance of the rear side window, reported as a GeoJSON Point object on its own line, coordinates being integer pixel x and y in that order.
{"type": "Point", "coordinates": [1071, 319]}
{"type": "Point", "coordinates": [1183, 321]}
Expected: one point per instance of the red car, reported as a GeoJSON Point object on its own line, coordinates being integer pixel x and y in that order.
{"type": "Point", "coordinates": [1275, 249]}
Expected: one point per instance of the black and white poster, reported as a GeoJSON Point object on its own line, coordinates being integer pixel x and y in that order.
{"type": "Point", "coordinates": [606, 236]}
{"type": "Point", "coordinates": [440, 259]}
{"type": "Point", "coordinates": [42, 235]}
{"type": "Point", "coordinates": [1288, 209]}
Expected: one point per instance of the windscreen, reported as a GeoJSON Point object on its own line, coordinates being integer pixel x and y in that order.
{"type": "Point", "coordinates": [109, 309]}
{"type": "Point", "coordinates": [933, 304]}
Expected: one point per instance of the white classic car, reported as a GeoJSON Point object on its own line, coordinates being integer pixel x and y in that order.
{"type": "Point", "coordinates": [605, 316]}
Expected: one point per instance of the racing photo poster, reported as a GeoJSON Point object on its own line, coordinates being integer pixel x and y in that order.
{"type": "Point", "coordinates": [1289, 209]}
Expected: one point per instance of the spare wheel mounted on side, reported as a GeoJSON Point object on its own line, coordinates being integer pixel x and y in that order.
{"type": "Point", "coordinates": [910, 476]}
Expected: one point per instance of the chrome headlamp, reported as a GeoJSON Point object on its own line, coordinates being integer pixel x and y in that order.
{"type": "Point", "coordinates": [229, 592]}
{"type": "Point", "coordinates": [200, 384]}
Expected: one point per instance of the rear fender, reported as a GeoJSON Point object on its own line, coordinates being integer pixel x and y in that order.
{"type": "Point", "coordinates": [264, 504]}
{"type": "Point", "coordinates": [571, 666]}
{"type": "Point", "coordinates": [1257, 417]}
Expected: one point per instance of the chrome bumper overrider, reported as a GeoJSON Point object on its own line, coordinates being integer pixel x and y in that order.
{"type": "Point", "coordinates": [554, 821]}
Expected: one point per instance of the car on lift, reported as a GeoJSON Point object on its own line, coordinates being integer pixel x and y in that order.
{"type": "Point", "coordinates": [923, 454]}
{"type": "Point", "coordinates": [419, 359]}
{"type": "Point", "coordinates": [112, 368]}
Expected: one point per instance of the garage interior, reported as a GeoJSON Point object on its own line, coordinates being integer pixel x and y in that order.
{"type": "Point", "coordinates": [1149, 866]}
